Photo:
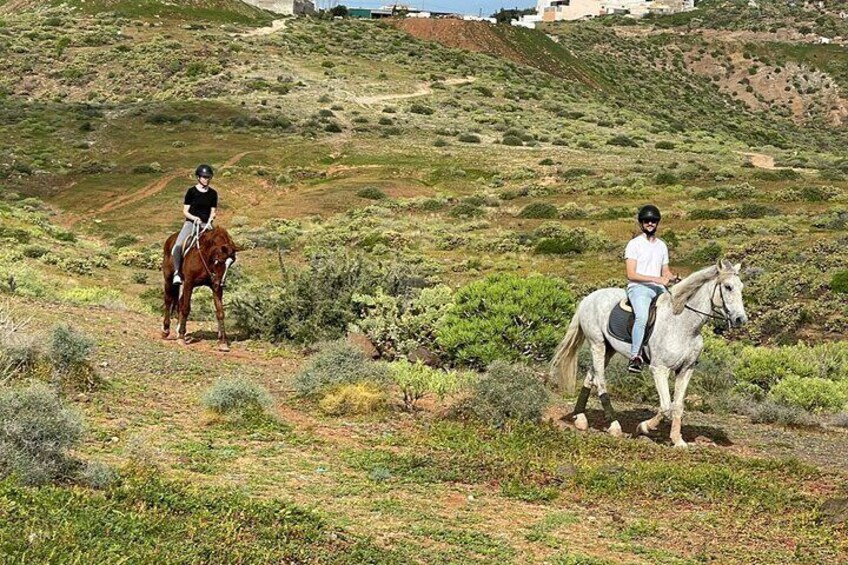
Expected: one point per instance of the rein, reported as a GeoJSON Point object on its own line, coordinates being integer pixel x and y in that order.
{"type": "Point", "coordinates": [196, 233]}
{"type": "Point", "coordinates": [724, 317]}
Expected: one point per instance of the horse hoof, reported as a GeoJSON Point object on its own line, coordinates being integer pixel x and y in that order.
{"type": "Point", "coordinates": [581, 423]}
{"type": "Point", "coordinates": [181, 341]}
{"type": "Point", "coordinates": [615, 429]}
{"type": "Point", "coordinates": [642, 429]}
{"type": "Point", "coordinates": [165, 334]}
{"type": "Point", "coordinates": [223, 347]}
{"type": "Point", "coordinates": [680, 444]}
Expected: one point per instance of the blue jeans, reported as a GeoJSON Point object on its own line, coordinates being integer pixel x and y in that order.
{"type": "Point", "coordinates": [640, 296]}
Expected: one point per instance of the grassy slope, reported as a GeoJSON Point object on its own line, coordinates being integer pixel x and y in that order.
{"type": "Point", "coordinates": [427, 490]}
{"type": "Point", "coordinates": [196, 11]}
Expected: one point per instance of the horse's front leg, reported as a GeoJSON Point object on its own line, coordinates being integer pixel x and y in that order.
{"type": "Point", "coordinates": [661, 382]}
{"type": "Point", "coordinates": [223, 342]}
{"type": "Point", "coordinates": [680, 385]}
{"type": "Point", "coordinates": [185, 310]}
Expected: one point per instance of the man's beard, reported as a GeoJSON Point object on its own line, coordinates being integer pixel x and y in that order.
{"type": "Point", "coordinates": [650, 232]}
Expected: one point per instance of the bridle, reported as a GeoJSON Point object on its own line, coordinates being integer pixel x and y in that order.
{"type": "Point", "coordinates": [196, 233]}
{"type": "Point", "coordinates": [723, 311]}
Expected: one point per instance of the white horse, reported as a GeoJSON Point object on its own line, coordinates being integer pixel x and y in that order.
{"type": "Point", "coordinates": [674, 346]}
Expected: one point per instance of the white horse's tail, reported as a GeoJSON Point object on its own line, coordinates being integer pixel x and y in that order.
{"type": "Point", "coordinates": [564, 363]}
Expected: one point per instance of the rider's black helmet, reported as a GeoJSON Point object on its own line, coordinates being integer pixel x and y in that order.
{"type": "Point", "coordinates": [204, 171]}
{"type": "Point", "coordinates": [649, 212]}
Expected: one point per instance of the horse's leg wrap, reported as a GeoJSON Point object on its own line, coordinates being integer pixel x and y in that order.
{"type": "Point", "coordinates": [607, 405]}
{"type": "Point", "coordinates": [582, 399]}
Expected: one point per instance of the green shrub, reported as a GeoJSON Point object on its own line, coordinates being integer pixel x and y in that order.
{"type": "Point", "coordinates": [539, 211]}
{"type": "Point", "coordinates": [440, 143]}
{"type": "Point", "coordinates": [398, 326]}
{"type": "Point", "coordinates": [771, 412]}
{"type": "Point", "coordinates": [666, 178]}
{"type": "Point", "coordinates": [777, 175]}
{"type": "Point", "coordinates": [764, 367]}
{"type": "Point", "coordinates": [337, 363]}
{"type": "Point", "coordinates": [705, 254]}
{"type": "Point", "coordinates": [839, 282]}
{"type": "Point", "coordinates": [558, 246]}
{"type": "Point", "coordinates": [576, 173]}
{"type": "Point", "coordinates": [421, 109]}
{"type": "Point", "coordinates": [416, 380]}
{"type": "Point", "coordinates": [34, 251]}
{"type": "Point", "coordinates": [36, 434]}
{"type": "Point", "coordinates": [623, 141]}
{"type": "Point", "coordinates": [70, 355]}
{"type": "Point", "coordinates": [811, 393]}
{"type": "Point", "coordinates": [666, 145]}
{"type": "Point", "coordinates": [469, 138]}
{"type": "Point", "coordinates": [236, 397]}
{"type": "Point", "coordinates": [512, 140]}
{"type": "Point", "coordinates": [506, 316]}
{"type": "Point", "coordinates": [371, 193]}
{"type": "Point", "coordinates": [316, 303]}
{"type": "Point", "coordinates": [466, 210]}
{"type": "Point", "coordinates": [508, 393]}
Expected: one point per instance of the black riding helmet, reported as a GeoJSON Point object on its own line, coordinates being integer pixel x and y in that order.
{"type": "Point", "coordinates": [204, 171]}
{"type": "Point", "coordinates": [649, 212]}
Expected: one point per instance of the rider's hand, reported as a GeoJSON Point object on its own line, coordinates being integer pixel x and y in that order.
{"type": "Point", "coordinates": [664, 280]}
{"type": "Point", "coordinates": [208, 225]}
{"type": "Point", "coordinates": [196, 221]}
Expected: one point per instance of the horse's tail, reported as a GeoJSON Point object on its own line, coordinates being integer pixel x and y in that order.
{"type": "Point", "coordinates": [564, 363]}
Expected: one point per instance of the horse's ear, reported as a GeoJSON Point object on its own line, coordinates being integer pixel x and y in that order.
{"type": "Point", "coordinates": [737, 268]}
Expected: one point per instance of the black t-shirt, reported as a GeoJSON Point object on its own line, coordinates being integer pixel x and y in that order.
{"type": "Point", "coordinates": [201, 203]}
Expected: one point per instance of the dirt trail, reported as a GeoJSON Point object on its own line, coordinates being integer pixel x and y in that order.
{"type": "Point", "coordinates": [424, 89]}
{"type": "Point", "coordinates": [149, 190]}
{"type": "Point", "coordinates": [760, 161]}
{"type": "Point", "coordinates": [276, 25]}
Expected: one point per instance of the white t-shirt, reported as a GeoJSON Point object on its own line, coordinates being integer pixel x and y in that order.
{"type": "Point", "coordinates": [650, 256]}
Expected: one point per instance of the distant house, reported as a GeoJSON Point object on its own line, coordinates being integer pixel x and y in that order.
{"type": "Point", "coordinates": [285, 7]}
{"type": "Point", "coordinates": [570, 10]}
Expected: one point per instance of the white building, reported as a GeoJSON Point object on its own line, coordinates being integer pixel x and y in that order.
{"type": "Point", "coordinates": [285, 7]}
{"type": "Point", "coordinates": [569, 10]}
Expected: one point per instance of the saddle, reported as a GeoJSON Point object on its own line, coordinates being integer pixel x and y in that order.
{"type": "Point", "coordinates": [621, 321]}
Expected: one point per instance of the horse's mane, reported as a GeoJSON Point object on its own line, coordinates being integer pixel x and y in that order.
{"type": "Point", "coordinates": [215, 239]}
{"type": "Point", "coordinates": [683, 291]}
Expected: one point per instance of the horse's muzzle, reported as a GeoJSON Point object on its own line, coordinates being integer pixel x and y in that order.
{"type": "Point", "coordinates": [739, 321]}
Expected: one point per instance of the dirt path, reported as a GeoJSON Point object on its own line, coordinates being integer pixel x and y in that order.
{"type": "Point", "coordinates": [424, 89]}
{"type": "Point", "coordinates": [149, 190]}
{"type": "Point", "coordinates": [276, 25]}
{"type": "Point", "coordinates": [761, 161]}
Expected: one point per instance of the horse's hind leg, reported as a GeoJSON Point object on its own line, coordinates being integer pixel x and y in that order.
{"type": "Point", "coordinates": [661, 382]}
{"type": "Point", "coordinates": [601, 355]}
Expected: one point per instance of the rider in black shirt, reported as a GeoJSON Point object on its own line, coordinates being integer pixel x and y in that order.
{"type": "Point", "coordinates": [199, 206]}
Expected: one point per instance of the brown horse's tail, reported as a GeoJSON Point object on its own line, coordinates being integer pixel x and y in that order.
{"type": "Point", "coordinates": [564, 363]}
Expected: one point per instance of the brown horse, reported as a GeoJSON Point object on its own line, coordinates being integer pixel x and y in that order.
{"type": "Point", "coordinates": [206, 266]}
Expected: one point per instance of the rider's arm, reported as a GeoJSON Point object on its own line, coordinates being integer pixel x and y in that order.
{"type": "Point", "coordinates": [633, 276]}
{"type": "Point", "coordinates": [666, 272]}
{"type": "Point", "coordinates": [211, 215]}
{"type": "Point", "coordinates": [188, 215]}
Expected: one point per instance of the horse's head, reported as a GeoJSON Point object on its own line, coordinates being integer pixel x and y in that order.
{"type": "Point", "coordinates": [220, 254]}
{"type": "Point", "coordinates": [728, 298]}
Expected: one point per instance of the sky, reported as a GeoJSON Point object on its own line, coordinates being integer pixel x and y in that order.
{"type": "Point", "coordinates": [472, 7]}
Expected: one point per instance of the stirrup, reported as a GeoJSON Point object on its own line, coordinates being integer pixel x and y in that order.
{"type": "Point", "coordinates": [635, 365]}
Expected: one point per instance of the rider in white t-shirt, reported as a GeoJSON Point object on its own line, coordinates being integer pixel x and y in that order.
{"type": "Point", "coordinates": [646, 257]}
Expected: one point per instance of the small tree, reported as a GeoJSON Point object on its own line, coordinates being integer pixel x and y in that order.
{"type": "Point", "coordinates": [339, 11]}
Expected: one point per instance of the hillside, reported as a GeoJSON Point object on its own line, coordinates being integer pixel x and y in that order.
{"type": "Point", "coordinates": [437, 189]}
